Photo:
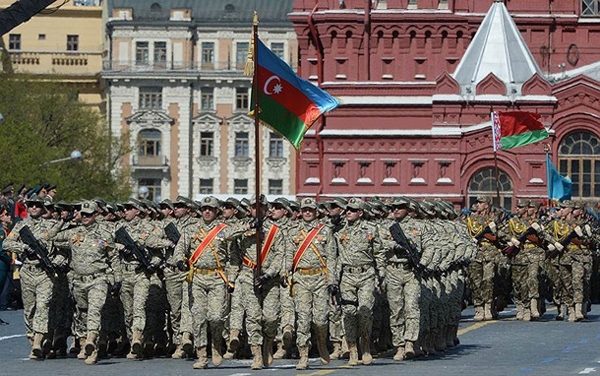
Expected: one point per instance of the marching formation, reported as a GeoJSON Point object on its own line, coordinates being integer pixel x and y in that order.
{"type": "Point", "coordinates": [352, 277]}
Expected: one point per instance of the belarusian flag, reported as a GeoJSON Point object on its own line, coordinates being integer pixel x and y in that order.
{"type": "Point", "coordinates": [516, 128]}
{"type": "Point", "coordinates": [287, 103]}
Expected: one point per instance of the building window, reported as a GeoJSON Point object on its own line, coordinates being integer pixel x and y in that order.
{"type": "Point", "coordinates": [579, 159]}
{"type": "Point", "coordinates": [242, 98]}
{"type": "Point", "coordinates": [590, 7]}
{"type": "Point", "coordinates": [241, 144]}
{"type": "Point", "coordinates": [240, 186]}
{"type": "Point", "coordinates": [41, 36]}
{"type": "Point", "coordinates": [151, 98]}
{"type": "Point", "coordinates": [484, 183]}
{"type": "Point", "coordinates": [241, 55]}
{"type": "Point", "coordinates": [208, 54]}
{"type": "Point", "coordinates": [206, 144]}
{"type": "Point", "coordinates": [160, 53]}
{"type": "Point", "coordinates": [206, 186]}
{"type": "Point", "coordinates": [275, 186]}
{"type": "Point", "coordinates": [153, 186]}
{"type": "Point", "coordinates": [149, 151]}
{"type": "Point", "coordinates": [275, 145]}
{"type": "Point", "coordinates": [14, 41]}
{"type": "Point", "coordinates": [207, 99]}
{"type": "Point", "coordinates": [72, 42]}
{"type": "Point", "coordinates": [277, 49]}
{"type": "Point", "coordinates": [142, 53]}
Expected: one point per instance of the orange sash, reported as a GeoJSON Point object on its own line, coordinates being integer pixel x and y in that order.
{"type": "Point", "coordinates": [204, 244]}
{"type": "Point", "coordinates": [266, 248]}
{"type": "Point", "coordinates": [304, 246]}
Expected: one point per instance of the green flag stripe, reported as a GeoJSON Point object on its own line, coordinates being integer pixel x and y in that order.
{"type": "Point", "coordinates": [523, 139]}
{"type": "Point", "coordinates": [282, 120]}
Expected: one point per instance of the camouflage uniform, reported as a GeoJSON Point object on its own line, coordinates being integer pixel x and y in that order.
{"type": "Point", "coordinates": [360, 263]}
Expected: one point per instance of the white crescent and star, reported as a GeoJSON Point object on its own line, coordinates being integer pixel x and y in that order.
{"type": "Point", "coordinates": [276, 88]}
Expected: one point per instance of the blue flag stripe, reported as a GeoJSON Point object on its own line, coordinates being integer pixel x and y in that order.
{"type": "Point", "coordinates": [559, 187]}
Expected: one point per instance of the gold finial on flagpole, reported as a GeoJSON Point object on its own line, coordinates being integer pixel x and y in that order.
{"type": "Point", "coordinates": [249, 68]}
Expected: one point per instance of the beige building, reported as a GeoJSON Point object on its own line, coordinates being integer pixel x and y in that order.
{"type": "Point", "coordinates": [64, 44]}
{"type": "Point", "coordinates": [175, 84]}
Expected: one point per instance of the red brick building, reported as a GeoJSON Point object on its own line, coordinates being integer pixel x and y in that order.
{"type": "Point", "coordinates": [418, 79]}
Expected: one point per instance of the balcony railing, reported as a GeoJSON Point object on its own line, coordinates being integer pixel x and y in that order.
{"type": "Point", "coordinates": [70, 63]}
{"type": "Point", "coordinates": [167, 66]}
{"type": "Point", "coordinates": [158, 161]}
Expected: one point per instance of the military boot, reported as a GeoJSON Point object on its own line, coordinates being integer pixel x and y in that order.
{"type": "Point", "coordinates": [560, 315]}
{"type": "Point", "coordinates": [345, 349]}
{"type": "Point", "coordinates": [450, 336]}
{"type": "Point", "coordinates": [36, 348]}
{"type": "Point", "coordinates": [440, 340]}
{"type": "Point", "coordinates": [178, 353]}
{"type": "Point", "coordinates": [478, 314]}
{"type": "Point", "coordinates": [487, 312]}
{"type": "Point", "coordinates": [535, 313]}
{"type": "Point", "coordinates": [234, 340]}
{"type": "Point", "coordinates": [281, 352]}
{"type": "Point", "coordinates": [81, 354]}
{"type": "Point", "coordinates": [202, 358]}
{"type": "Point", "coordinates": [90, 343]}
{"type": "Point", "coordinates": [519, 311]}
{"type": "Point", "coordinates": [92, 358]}
{"type": "Point", "coordinates": [409, 350]}
{"type": "Point", "coordinates": [303, 362]}
{"type": "Point", "coordinates": [367, 358]}
{"type": "Point", "coordinates": [136, 343]}
{"type": "Point", "coordinates": [187, 345]}
{"type": "Point", "coordinates": [268, 351]}
{"type": "Point", "coordinates": [288, 333]}
{"type": "Point", "coordinates": [257, 359]}
{"type": "Point", "coordinates": [353, 349]}
{"type": "Point", "coordinates": [337, 351]}
{"type": "Point", "coordinates": [571, 314]}
{"type": "Point", "coordinates": [421, 345]}
{"type": "Point", "coordinates": [526, 314]}
{"type": "Point", "coordinates": [578, 312]}
{"type": "Point", "coordinates": [322, 345]}
{"type": "Point", "coordinates": [430, 339]}
{"type": "Point", "coordinates": [217, 357]}
{"type": "Point", "coordinates": [74, 348]}
{"type": "Point", "coordinates": [399, 354]}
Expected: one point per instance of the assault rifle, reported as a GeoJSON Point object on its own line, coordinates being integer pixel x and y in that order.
{"type": "Point", "coordinates": [133, 248]}
{"type": "Point", "coordinates": [37, 250]}
{"type": "Point", "coordinates": [172, 233]}
{"type": "Point", "coordinates": [529, 234]}
{"type": "Point", "coordinates": [406, 248]}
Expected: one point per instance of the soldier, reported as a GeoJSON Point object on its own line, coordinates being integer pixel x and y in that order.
{"type": "Point", "coordinates": [403, 279]}
{"type": "Point", "coordinates": [308, 264]}
{"type": "Point", "coordinates": [204, 247]}
{"type": "Point", "coordinates": [91, 262]}
{"type": "Point", "coordinates": [360, 267]}
{"type": "Point", "coordinates": [482, 269]}
{"type": "Point", "coordinates": [260, 301]}
{"type": "Point", "coordinates": [37, 283]}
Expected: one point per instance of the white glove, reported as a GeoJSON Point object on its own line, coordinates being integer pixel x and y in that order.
{"type": "Point", "coordinates": [515, 242]}
{"type": "Point", "coordinates": [588, 230]}
{"type": "Point", "coordinates": [536, 227]}
{"type": "Point", "coordinates": [119, 247]}
{"type": "Point", "coordinates": [492, 226]}
{"type": "Point", "coordinates": [551, 247]}
{"type": "Point", "coordinates": [578, 231]}
{"type": "Point", "coordinates": [18, 263]}
{"type": "Point", "coordinates": [559, 246]}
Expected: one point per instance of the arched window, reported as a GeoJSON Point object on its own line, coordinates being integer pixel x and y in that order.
{"type": "Point", "coordinates": [484, 183]}
{"type": "Point", "coordinates": [149, 147]}
{"type": "Point", "coordinates": [579, 159]}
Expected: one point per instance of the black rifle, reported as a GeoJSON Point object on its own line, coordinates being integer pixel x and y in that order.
{"type": "Point", "coordinates": [406, 247]}
{"type": "Point", "coordinates": [336, 222]}
{"type": "Point", "coordinates": [138, 251]}
{"type": "Point", "coordinates": [512, 250]}
{"type": "Point", "coordinates": [172, 233]}
{"type": "Point", "coordinates": [38, 250]}
{"type": "Point", "coordinates": [335, 296]}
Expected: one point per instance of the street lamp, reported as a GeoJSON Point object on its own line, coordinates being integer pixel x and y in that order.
{"type": "Point", "coordinates": [75, 156]}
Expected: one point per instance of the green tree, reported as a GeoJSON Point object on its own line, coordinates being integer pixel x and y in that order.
{"type": "Point", "coordinates": [45, 122]}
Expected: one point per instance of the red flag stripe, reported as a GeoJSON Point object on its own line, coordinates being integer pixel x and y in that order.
{"type": "Point", "coordinates": [518, 122]}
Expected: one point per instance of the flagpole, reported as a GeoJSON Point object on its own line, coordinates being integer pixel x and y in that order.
{"type": "Point", "coordinates": [257, 161]}
{"type": "Point", "coordinates": [547, 151]}
{"type": "Point", "coordinates": [495, 142]}
{"type": "Point", "coordinates": [497, 177]}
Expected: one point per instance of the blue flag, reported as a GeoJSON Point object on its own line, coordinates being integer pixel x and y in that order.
{"type": "Point", "coordinates": [559, 187]}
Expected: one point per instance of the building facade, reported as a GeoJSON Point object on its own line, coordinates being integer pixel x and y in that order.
{"type": "Point", "coordinates": [418, 79]}
{"type": "Point", "coordinates": [62, 44]}
{"type": "Point", "coordinates": [175, 84]}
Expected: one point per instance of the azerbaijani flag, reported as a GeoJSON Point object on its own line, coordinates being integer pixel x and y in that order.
{"type": "Point", "coordinates": [516, 128]}
{"type": "Point", "coordinates": [287, 103]}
